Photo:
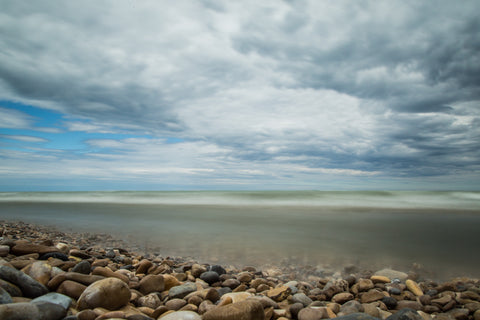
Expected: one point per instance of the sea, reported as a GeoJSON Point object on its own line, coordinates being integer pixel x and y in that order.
{"type": "Point", "coordinates": [436, 232]}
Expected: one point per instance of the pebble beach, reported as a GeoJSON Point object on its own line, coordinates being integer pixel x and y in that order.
{"type": "Point", "coordinates": [50, 274]}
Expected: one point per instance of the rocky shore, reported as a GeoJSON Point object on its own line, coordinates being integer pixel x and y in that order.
{"type": "Point", "coordinates": [48, 274]}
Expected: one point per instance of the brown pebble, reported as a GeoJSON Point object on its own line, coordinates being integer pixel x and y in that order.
{"type": "Point", "coordinates": [152, 283]}
{"type": "Point", "coordinates": [170, 281]}
{"type": "Point", "coordinates": [195, 300]}
{"type": "Point", "coordinates": [159, 311]}
{"type": "Point", "coordinates": [86, 315]}
{"type": "Point", "coordinates": [342, 297]}
{"type": "Point", "coordinates": [240, 288]}
{"type": "Point", "coordinates": [72, 289]}
{"type": "Point", "coordinates": [175, 304]}
{"type": "Point", "coordinates": [212, 295]}
{"type": "Point", "coordinates": [408, 304]}
{"type": "Point", "coordinates": [143, 266]}
{"type": "Point", "coordinates": [108, 273]}
{"type": "Point", "coordinates": [112, 314]}
{"type": "Point", "coordinates": [189, 307]}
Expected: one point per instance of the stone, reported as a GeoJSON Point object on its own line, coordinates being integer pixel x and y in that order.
{"type": "Point", "coordinates": [197, 270]}
{"type": "Point", "coordinates": [278, 294]}
{"type": "Point", "coordinates": [390, 303]}
{"type": "Point", "coordinates": [40, 271]}
{"type": "Point", "coordinates": [36, 311]}
{"type": "Point", "coordinates": [29, 286]}
{"type": "Point", "coordinates": [364, 285]}
{"type": "Point", "coordinates": [86, 279]}
{"type": "Point", "coordinates": [55, 298]}
{"type": "Point", "coordinates": [266, 302]}
{"type": "Point", "coordinates": [356, 316]}
{"type": "Point", "coordinates": [12, 289]}
{"type": "Point", "coordinates": [182, 290]}
{"type": "Point", "coordinates": [313, 313]}
{"type": "Point", "coordinates": [62, 247]}
{"type": "Point", "coordinates": [175, 304]}
{"type": "Point", "coordinates": [212, 295]}
{"type": "Point", "coordinates": [210, 277]}
{"type": "Point", "coordinates": [182, 315]}
{"type": "Point", "coordinates": [244, 310]}
{"type": "Point", "coordinates": [138, 317]}
{"type": "Point", "coordinates": [82, 267]}
{"type": "Point", "coordinates": [244, 277]}
{"type": "Point", "coordinates": [110, 293]}
{"type": "Point", "coordinates": [476, 315]}
{"type": "Point", "coordinates": [4, 250]}
{"type": "Point", "coordinates": [371, 296]}
{"type": "Point", "coordinates": [82, 254]}
{"type": "Point", "coordinates": [5, 296]}
{"type": "Point", "coordinates": [170, 281]}
{"type": "Point", "coordinates": [414, 287]}
{"type": "Point", "coordinates": [371, 309]}
{"type": "Point", "coordinates": [342, 297]}
{"type": "Point", "coordinates": [20, 249]}
{"type": "Point", "coordinates": [405, 314]}
{"type": "Point", "coordinates": [294, 309]}
{"type": "Point", "coordinates": [293, 286]}
{"type": "Point", "coordinates": [301, 298]}
{"type": "Point", "coordinates": [459, 314]}
{"type": "Point", "coordinates": [406, 304]}
{"type": "Point", "coordinates": [72, 289]}
{"type": "Point", "coordinates": [55, 255]}
{"type": "Point", "coordinates": [151, 283]}
{"type": "Point", "coordinates": [236, 296]}
{"type": "Point", "coordinates": [150, 300]}
{"type": "Point", "coordinates": [257, 282]}
{"type": "Point", "coordinates": [195, 300]}
{"type": "Point", "coordinates": [380, 279]}
{"type": "Point", "coordinates": [218, 269]}
{"type": "Point", "coordinates": [231, 283]}
{"type": "Point", "coordinates": [107, 273]}
{"type": "Point", "coordinates": [471, 295]}
{"type": "Point", "coordinates": [350, 307]}
{"type": "Point", "coordinates": [392, 274]}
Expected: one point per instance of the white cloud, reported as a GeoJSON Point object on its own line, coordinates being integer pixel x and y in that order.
{"type": "Point", "coordinates": [10, 118]}
{"type": "Point", "coordinates": [23, 138]}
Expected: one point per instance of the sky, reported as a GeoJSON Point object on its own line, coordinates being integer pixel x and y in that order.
{"type": "Point", "coordinates": [239, 95]}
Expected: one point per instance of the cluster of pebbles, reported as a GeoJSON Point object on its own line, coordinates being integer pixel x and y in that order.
{"type": "Point", "coordinates": [47, 274]}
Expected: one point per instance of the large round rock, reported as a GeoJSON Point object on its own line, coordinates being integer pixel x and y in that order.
{"type": "Point", "coordinates": [110, 293]}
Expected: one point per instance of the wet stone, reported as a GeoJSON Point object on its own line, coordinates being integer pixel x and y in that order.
{"type": "Point", "coordinates": [82, 267]}
{"type": "Point", "coordinates": [301, 298]}
{"type": "Point", "coordinates": [110, 293]}
{"type": "Point", "coordinates": [218, 269]}
{"type": "Point", "coordinates": [29, 286]}
{"type": "Point", "coordinates": [243, 310]}
{"type": "Point", "coordinates": [5, 296]}
{"type": "Point", "coordinates": [182, 290]}
{"type": "Point", "coordinates": [55, 298]}
{"type": "Point", "coordinates": [210, 277]}
{"type": "Point", "coordinates": [55, 255]}
{"type": "Point", "coordinates": [182, 315]}
{"type": "Point", "coordinates": [406, 314]}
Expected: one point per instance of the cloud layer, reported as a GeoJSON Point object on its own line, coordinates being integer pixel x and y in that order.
{"type": "Point", "coordinates": [282, 94]}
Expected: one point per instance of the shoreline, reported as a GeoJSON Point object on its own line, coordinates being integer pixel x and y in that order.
{"type": "Point", "coordinates": [268, 292]}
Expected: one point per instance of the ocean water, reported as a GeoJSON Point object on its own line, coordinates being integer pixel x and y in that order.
{"type": "Point", "coordinates": [326, 230]}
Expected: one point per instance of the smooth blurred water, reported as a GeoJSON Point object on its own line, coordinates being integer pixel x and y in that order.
{"type": "Point", "coordinates": [371, 229]}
